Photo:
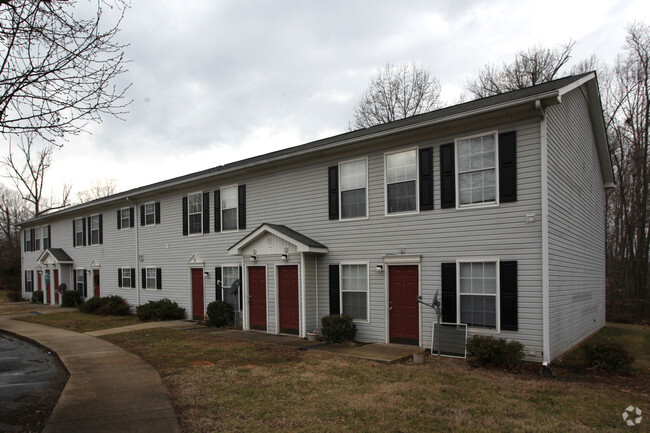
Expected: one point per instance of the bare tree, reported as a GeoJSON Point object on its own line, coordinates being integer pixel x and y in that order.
{"type": "Point", "coordinates": [28, 170]}
{"type": "Point", "coordinates": [533, 66]}
{"type": "Point", "coordinates": [58, 67]}
{"type": "Point", "coordinates": [98, 189]}
{"type": "Point", "coordinates": [627, 113]}
{"type": "Point", "coordinates": [396, 92]}
{"type": "Point", "coordinates": [12, 211]}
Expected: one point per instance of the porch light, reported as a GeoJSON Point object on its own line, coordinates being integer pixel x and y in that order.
{"type": "Point", "coordinates": [206, 274]}
{"type": "Point", "coordinates": [284, 257]}
{"type": "Point", "coordinates": [253, 258]}
{"type": "Point", "coordinates": [380, 268]}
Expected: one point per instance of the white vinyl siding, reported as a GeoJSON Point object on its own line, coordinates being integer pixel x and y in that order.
{"type": "Point", "coordinates": [476, 167]}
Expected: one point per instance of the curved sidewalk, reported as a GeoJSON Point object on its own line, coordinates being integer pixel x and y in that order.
{"type": "Point", "coordinates": [109, 389]}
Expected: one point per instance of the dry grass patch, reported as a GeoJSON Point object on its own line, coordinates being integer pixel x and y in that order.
{"type": "Point", "coordinates": [80, 322]}
{"type": "Point", "coordinates": [256, 387]}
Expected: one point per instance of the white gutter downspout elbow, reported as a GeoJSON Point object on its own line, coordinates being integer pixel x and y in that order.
{"type": "Point", "coordinates": [546, 345]}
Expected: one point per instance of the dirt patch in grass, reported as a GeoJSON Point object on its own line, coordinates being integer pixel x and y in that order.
{"type": "Point", "coordinates": [243, 386]}
{"type": "Point", "coordinates": [80, 322]}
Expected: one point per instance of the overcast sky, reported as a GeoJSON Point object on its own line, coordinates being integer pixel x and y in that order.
{"type": "Point", "coordinates": [218, 81]}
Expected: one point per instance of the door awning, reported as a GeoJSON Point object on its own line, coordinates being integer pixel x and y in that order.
{"type": "Point", "coordinates": [273, 238]}
{"type": "Point", "coordinates": [54, 256]}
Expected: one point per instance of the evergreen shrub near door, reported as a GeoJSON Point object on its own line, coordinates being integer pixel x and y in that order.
{"type": "Point", "coordinates": [37, 297]}
{"type": "Point", "coordinates": [496, 351]}
{"type": "Point", "coordinates": [163, 309]}
{"type": "Point", "coordinates": [220, 314]}
{"type": "Point", "coordinates": [107, 306]}
{"type": "Point", "coordinates": [71, 298]}
{"type": "Point", "coordinates": [338, 328]}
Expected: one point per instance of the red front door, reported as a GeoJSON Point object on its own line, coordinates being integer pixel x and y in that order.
{"type": "Point", "coordinates": [39, 274]}
{"type": "Point", "coordinates": [257, 297]}
{"type": "Point", "coordinates": [56, 286]}
{"type": "Point", "coordinates": [288, 299]}
{"type": "Point", "coordinates": [403, 304]}
{"type": "Point", "coordinates": [48, 284]}
{"type": "Point", "coordinates": [96, 282]}
{"type": "Point", "coordinates": [197, 294]}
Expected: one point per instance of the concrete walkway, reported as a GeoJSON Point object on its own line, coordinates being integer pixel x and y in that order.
{"type": "Point", "coordinates": [109, 389]}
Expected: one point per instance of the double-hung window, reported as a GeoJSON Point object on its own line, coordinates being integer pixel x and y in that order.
{"type": "Point", "coordinates": [195, 212]}
{"type": "Point", "coordinates": [151, 278]}
{"type": "Point", "coordinates": [46, 237]}
{"type": "Point", "coordinates": [479, 294]}
{"type": "Point", "coordinates": [229, 275]}
{"type": "Point", "coordinates": [401, 182]}
{"type": "Point", "coordinates": [79, 231]}
{"type": "Point", "coordinates": [37, 239]}
{"type": "Point", "coordinates": [29, 281]}
{"type": "Point", "coordinates": [229, 208]}
{"type": "Point", "coordinates": [126, 279]}
{"type": "Point", "coordinates": [354, 291]}
{"type": "Point", "coordinates": [80, 281]}
{"type": "Point", "coordinates": [353, 184]}
{"type": "Point", "coordinates": [477, 173]}
{"type": "Point", "coordinates": [28, 240]}
{"type": "Point", "coordinates": [125, 218]}
{"type": "Point", "coordinates": [94, 230]}
{"type": "Point", "coordinates": [150, 214]}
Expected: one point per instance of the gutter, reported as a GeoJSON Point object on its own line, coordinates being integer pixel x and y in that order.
{"type": "Point", "coordinates": [546, 334]}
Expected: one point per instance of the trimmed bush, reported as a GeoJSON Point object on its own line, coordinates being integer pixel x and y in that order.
{"type": "Point", "coordinates": [107, 306]}
{"type": "Point", "coordinates": [338, 328]}
{"type": "Point", "coordinates": [37, 297]}
{"type": "Point", "coordinates": [14, 295]}
{"type": "Point", "coordinates": [496, 351]}
{"type": "Point", "coordinates": [71, 298]}
{"type": "Point", "coordinates": [163, 309]}
{"type": "Point", "coordinates": [608, 355]}
{"type": "Point", "coordinates": [220, 314]}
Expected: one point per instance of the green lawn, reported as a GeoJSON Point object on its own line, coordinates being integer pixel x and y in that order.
{"type": "Point", "coordinates": [220, 384]}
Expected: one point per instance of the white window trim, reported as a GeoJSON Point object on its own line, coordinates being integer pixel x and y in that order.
{"type": "Point", "coordinates": [43, 235]}
{"type": "Point", "coordinates": [154, 214]}
{"type": "Point", "coordinates": [80, 273]}
{"type": "Point", "coordinates": [37, 238]}
{"type": "Point", "coordinates": [155, 277]}
{"type": "Point", "coordinates": [346, 263]}
{"type": "Point", "coordinates": [128, 224]}
{"type": "Point", "coordinates": [341, 218]}
{"type": "Point", "coordinates": [236, 186]}
{"type": "Point", "coordinates": [90, 235]}
{"type": "Point", "coordinates": [29, 283]}
{"type": "Point", "coordinates": [496, 172]}
{"type": "Point", "coordinates": [189, 233]}
{"type": "Point", "coordinates": [224, 287]}
{"type": "Point", "coordinates": [79, 228]}
{"type": "Point", "coordinates": [496, 261]}
{"type": "Point", "coordinates": [417, 183]}
{"type": "Point", "coordinates": [130, 283]}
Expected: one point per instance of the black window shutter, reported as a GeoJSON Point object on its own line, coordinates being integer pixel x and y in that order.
{"type": "Point", "coordinates": [508, 295]}
{"type": "Point", "coordinates": [241, 291]}
{"type": "Point", "coordinates": [217, 211]}
{"type": "Point", "coordinates": [333, 191]}
{"type": "Point", "coordinates": [85, 283]}
{"type": "Point", "coordinates": [449, 292]}
{"type": "Point", "coordinates": [132, 216]}
{"type": "Point", "coordinates": [426, 178]}
{"type": "Point", "coordinates": [119, 277]}
{"type": "Point", "coordinates": [101, 229]}
{"type": "Point", "coordinates": [141, 215]}
{"type": "Point", "coordinates": [508, 167]}
{"type": "Point", "coordinates": [144, 278]}
{"type": "Point", "coordinates": [217, 283]}
{"type": "Point", "coordinates": [185, 217]}
{"type": "Point", "coordinates": [119, 219]}
{"type": "Point", "coordinates": [74, 279]}
{"type": "Point", "coordinates": [241, 193]}
{"type": "Point", "coordinates": [447, 176]}
{"type": "Point", "coordinates": [74, 234]}
{"type": "Point", "coordinates": [83, 224]}
{"type": "Point", "coordinates": [157, 212]}
{"type": "Point", "coordinates": [158, 278]}
{"type": "Point", "coordinates": [49, 238]}
{"type": "Point", "coordinates": [206, 212]}
{"type": "Point", "coordinates": [33, 236]}
{"type": "Point", "coordinates": [133, 286]}
{"type": "Point", "coordinates": [335, 296]}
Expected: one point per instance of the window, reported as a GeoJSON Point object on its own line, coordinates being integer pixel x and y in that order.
{"type": "Point", "coordinates": [401, 182]}
{"type": "Point", "coordinates": [354, 291]}
{"type": "Point", "coordinates": [230, 274]}
{"type": "Point", "coordinates": [195, 202]}
{"type": "Point", "coordinates": [126, 277]}
{"type": "Point", "coordinates": [353, 180]}
{"type": "Point", "coordinates": [151, 278]}
{"type": "Point", "coordinates": [79, 225]}
{"type": "Point", "coordinates": [478, 293]}
{"type": "Point", "coordinates": [28, 239]}
{"type": "Point", "coordinates": [229, 208]}
{"type": "Point", "coordinates": [80, 283]}
{"type": "Point", "coordinates": [125, 218]}
{"type": "Point", "coordinates": [29, 281]}
{"type": "Point", "coordinates": [476, 161]}
{"type": "Point", "coordinates": [37, 239]}
{"type": "Point", "coordinates": [46, 237]}
{"type": "Point", "coordinates": [149, 214]}
{"type": "Point", "coordinates": [95, 230]}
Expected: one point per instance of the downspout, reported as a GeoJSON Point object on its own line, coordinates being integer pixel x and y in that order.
{"type": "Point", "coordinates": [137, 249]}
{"type": "Point", "coordinates": [546, 334]}
{"type": "Point", "coordinates": [303, 292]}
{"type": "Point", "coordinates": [316, 286]}
{"type": "Point", "coordinates": [244, 298]}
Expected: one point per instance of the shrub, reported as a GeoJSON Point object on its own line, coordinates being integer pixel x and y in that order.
{"type": "Point", "coordinates": [338, 328]}
{"type": "Point", "coordinates": [71, 298]}
{"type": "Point", "coordinates": [608, 355]}
{"type": "Point", "coordinates": [107, 306]}
{"type": "Point", "coordinates": [220, 314]}
{"type": "Point", "coordinates": [37, 297]}
{"type": "Point", "coordinates": [14, 295]}
{"type": "Point", "coordinates": [163, 309]}
{"type": "Point", "coordinates": [496, 351]}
